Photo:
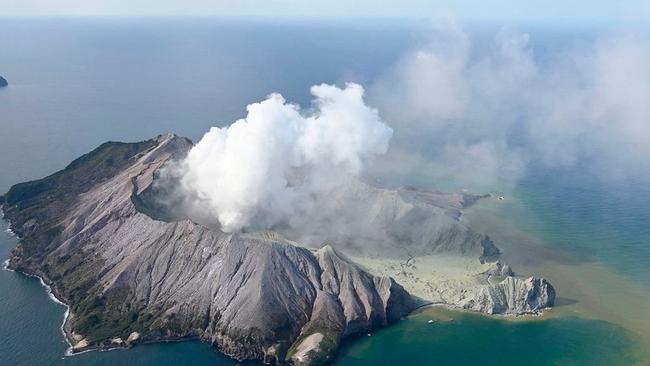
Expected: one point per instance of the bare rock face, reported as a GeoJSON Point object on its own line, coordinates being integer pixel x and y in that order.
{"type": "Point", "coordinates": [129, 276]}
{"type": "Point", "coordinates": [512, 296]}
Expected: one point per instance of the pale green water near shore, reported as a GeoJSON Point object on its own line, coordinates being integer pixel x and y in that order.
{"type": "Point", "coordinates": [461, 338]}
{"type": "Point", "coordinates": [592, 246]}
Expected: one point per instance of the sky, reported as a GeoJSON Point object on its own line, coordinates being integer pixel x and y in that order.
{"type": "Point", "coordinates": [535, 10]}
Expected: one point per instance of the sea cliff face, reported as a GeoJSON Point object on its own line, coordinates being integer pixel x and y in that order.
{"type": "Point", "coordinates": [130, 276]}
{"type": "Point", "coordinates": [511, 296]}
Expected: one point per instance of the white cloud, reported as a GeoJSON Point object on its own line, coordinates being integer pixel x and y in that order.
{"type": "Point", "coordinates": [492, 110]}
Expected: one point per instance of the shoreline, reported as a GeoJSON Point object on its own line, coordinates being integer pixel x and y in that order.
{"type": "Point", "coordinates": [69, 352]}
{"type": "Point", "coordinates": [48, 288]}
{"type": "Point", "coordinates": [542, 314]}
{"type": "Point", "coordinates": [51, 296]}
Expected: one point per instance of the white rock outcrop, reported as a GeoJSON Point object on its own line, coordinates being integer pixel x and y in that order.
{"type": "Point", "coordinates": [512, 296]}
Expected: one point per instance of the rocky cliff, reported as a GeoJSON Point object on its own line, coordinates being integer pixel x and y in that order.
{"type": "Point", "coordinates": [3, 82]}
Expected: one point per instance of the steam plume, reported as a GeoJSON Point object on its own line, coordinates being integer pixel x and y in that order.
{"type": "Point", "coordinates": [261, 170]}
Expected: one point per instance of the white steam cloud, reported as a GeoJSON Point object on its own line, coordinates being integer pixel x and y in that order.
{"type": "Point", "coordinates": [480, 113]}
{"type": "Point", "coordinates": [490, 110]}
{"type": "Point", "coordinates": [262, 170]}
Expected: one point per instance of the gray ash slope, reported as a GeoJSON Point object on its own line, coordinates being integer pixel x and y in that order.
{"type": "Point", "coordinates": [130, 278]}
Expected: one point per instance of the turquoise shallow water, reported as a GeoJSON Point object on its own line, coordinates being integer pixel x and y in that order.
{"type": "Point", "coordinates": [471, 339]}
{"type": "Point", "coordinates": [77, 83]}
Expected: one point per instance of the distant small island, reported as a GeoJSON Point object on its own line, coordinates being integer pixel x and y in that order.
{"type": "Point", "coordinates": [3, 82]}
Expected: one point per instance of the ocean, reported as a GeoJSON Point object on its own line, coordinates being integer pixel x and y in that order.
{"type": "Point", "coordinates": [75, 83]}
